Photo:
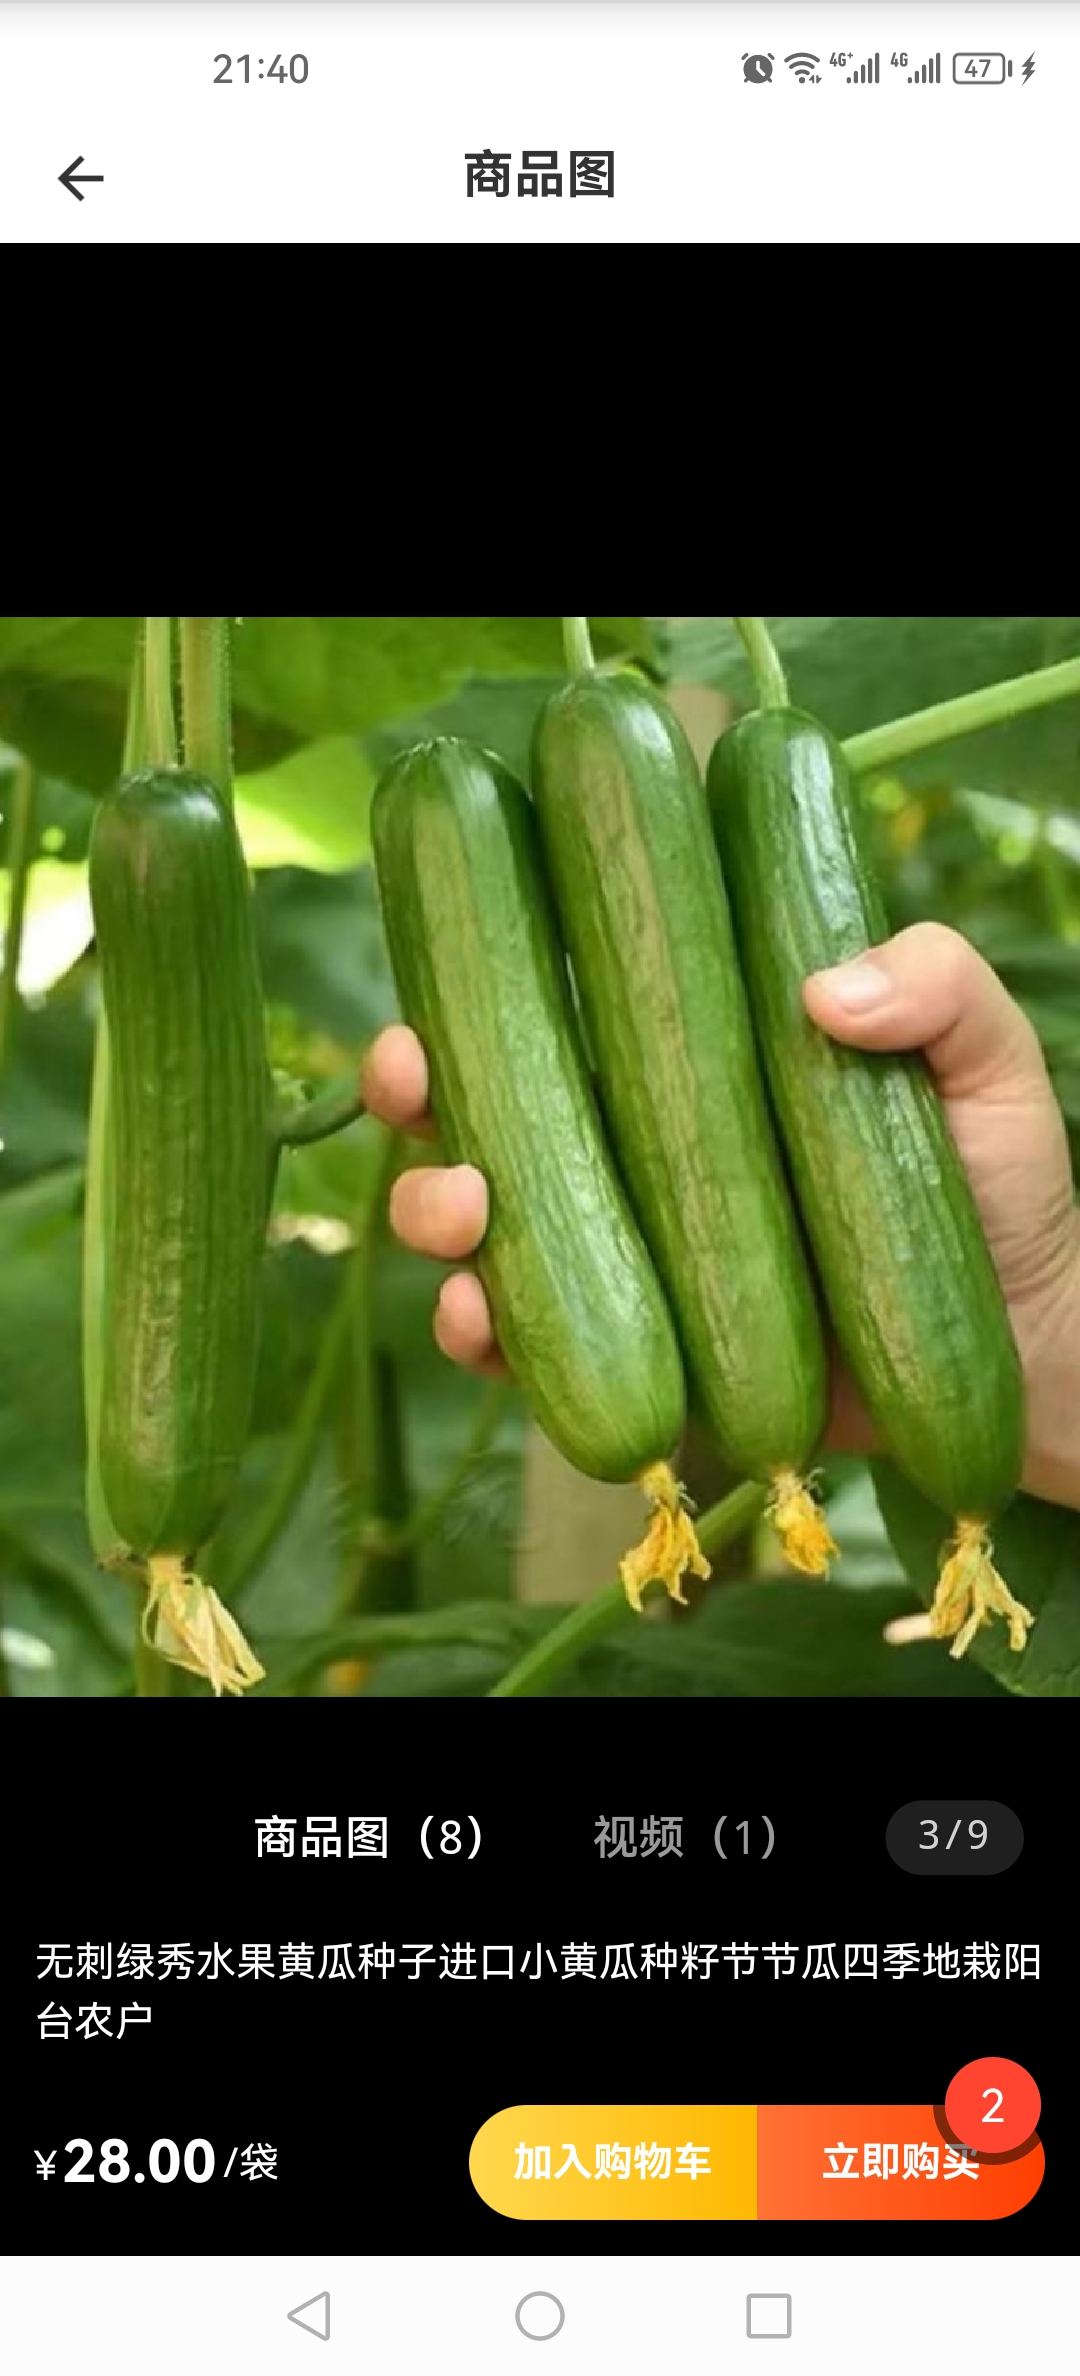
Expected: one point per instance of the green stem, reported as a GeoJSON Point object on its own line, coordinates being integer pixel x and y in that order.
{"type": "Point", "coordinates": [388, 1581]}
{"type": "Point", "coordinates": [204, 691]}
{"type": "Point", "coordinates": [20, 850]}
{"type": "Point", "coordinates": [993, 705]}
{"type": "Point", "coordinates": [721, 1525]}
{"type": "Point", "coordinates": [358, 1432]}
{"type": "Point", "coordinates": [764, 659]}
{"type": "Point", "coordinates": [300, 1451]}
{"type": "Point", "coordinates": [383, 1572]}
{"type": "Point", "coordinates": [153, 1675]}
{"type": "Point", "coordinates": [577, 646]}
{"type": "Point", "coordinates": [388, 1542]}
{"type": "Point", "coordinates": [360, 1440]}
{"type": "Point", "coordinates": [491, 1626]}
{"type": "Point", "coordinates": [297, 1124]}
{"type": "Point", "coordinates": [160, 722]}
{"type": "Point", "coordinates": [135, 723]}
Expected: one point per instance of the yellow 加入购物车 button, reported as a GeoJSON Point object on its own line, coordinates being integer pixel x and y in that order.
{"type": "Point", "coordinates": [626, 2161]}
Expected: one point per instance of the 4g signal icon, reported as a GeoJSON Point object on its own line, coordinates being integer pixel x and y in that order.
{"type": "Point", "coordinates": [928, 72]}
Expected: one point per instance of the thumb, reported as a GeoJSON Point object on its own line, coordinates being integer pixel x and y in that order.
{"type": "Point", "coordinates": [928, 988]}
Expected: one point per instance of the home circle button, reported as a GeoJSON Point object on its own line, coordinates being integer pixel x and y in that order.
{"type": "Point", "coordinates": [539, 2316]}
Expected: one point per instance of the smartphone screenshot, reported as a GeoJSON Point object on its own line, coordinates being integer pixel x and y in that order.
{"type": "Point", "coordinates": [538, 1165]}
{"type": "Point", "coordinates": [728, 122]}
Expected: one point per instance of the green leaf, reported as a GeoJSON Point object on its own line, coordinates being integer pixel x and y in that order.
{"type": "Point", "coordinates": [58, 926]}
{"type": "Point", "coordinates": [62, 814]}
{"type": "Point", "coordinates": [472, 1551]}
{"type": "Point", "coordinates": [775, 1640]}
{"type": "Point", "coordinates": [497, 712]}
{"type": "Point", "coordinates": [298, 1290]}
{"type": "Point", "coordinates": [51, 1591]}
{"type": "Point", "coordinates": [322, 951]}
{"type": "Point", "coordinates": [857, 673]}
{"type": "Point", "coordinates": [291, 1595]}
{"type": "Point", "coordinates": [457, 1672]}
{"type": "Point", "coordinates": [72, 1661]}
{"type": "Point", "coordinates": [856, 1525]}
{"type": "Point", "coordinates": [63, 682]}
{"type": "Point", "coordinates": [41, 1427]}
{"type": "Point", "coordinates": [328, 1179]}
{"type": "Point", "coordinates": [63, 695]}
{"type": "Point", "coordinates": [46, 1088]}
{"type": "Point", "coordinates": [1036, 1548]}
{"type": "Point", "coordinates": [319, 676]}
{"type": "Point", "coordinates": [1043, 973]}
{"type": "Point", "coordinates": [783, 1640]}
{"type": "Point", "coordinates": [311, 810]}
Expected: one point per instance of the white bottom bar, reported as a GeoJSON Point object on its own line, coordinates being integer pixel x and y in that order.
{"type": "Point", "coordinates": [637, 2316]}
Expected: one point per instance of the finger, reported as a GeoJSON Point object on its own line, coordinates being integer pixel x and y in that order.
{"type": "Point", "coordinates": [441, 1212]}
{"type": "Point", "coordinates": [463, 1326]}
{"type": "Point", "coordinates": [394, 1081]}
{"type": "Point", "coordinates": [928, 988]}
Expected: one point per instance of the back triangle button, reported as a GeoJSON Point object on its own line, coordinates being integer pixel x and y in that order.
{"type": "Point", "coordinates": [313, 2316]}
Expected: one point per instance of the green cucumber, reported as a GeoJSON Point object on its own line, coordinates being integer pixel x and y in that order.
{"type": "Point", "coordinates": [189, 1121]}
{"type": "Point", "coordinates": [908, 1277]}
{"type": "Point", "coordinates": [641, 901]}
{"type": "Point", "coordinates": [481, 978]}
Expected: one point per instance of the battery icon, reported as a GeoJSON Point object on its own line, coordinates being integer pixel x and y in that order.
{"type": "Point", "coordinates": [980, 66]}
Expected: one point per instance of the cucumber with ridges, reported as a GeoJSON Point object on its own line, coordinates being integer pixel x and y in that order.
{"type": "Point", "coordinates": [576, 1304]}
{"type": "Point", "coordinates": [908, 1277]}
{"type": "Point", "coordinates": [189, 1116]}
{"type": "Point", "coordinates": [481, 977]}
{"type": "Point", "coordinates": [641, 902]}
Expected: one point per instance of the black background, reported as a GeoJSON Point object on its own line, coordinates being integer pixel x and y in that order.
{"type": "Point", "coordinates": [372, 2091]}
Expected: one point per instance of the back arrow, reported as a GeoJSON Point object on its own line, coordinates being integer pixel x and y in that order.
{"type": "Point", "coordinates": [69, 177]}
{"type": "Point", "coordinates": [319, 2323]}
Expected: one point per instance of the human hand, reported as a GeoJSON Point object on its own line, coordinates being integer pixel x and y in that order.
{"type": "Point", "coordinates": [927, 989]}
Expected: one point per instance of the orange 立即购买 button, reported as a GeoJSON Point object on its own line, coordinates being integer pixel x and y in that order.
{"type": "Point", "coordinates": [880, 2161]}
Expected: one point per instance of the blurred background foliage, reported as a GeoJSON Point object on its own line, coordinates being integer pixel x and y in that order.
{"type": "Point", "coordinates": [399, 1529]}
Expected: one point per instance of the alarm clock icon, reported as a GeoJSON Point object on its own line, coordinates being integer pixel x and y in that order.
{"type": "Point", "coordinates": [757, 67]}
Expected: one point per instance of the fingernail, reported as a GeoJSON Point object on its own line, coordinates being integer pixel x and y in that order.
{"type": "Point", "coordinates": [858, 986]}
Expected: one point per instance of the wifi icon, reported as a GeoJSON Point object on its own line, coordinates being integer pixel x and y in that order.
{"type": "Point", "coordinates": [802, 64]}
